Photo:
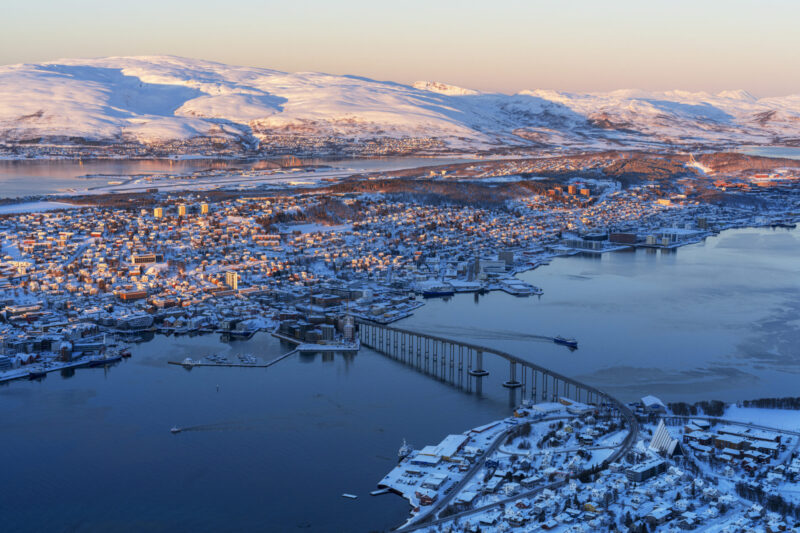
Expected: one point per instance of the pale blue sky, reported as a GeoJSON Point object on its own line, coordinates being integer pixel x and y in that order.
{"type": "Point", "coordinates": [499, 45]}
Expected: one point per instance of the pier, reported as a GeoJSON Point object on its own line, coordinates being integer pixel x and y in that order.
{"type": "Point", "coordinates": [235, 365]}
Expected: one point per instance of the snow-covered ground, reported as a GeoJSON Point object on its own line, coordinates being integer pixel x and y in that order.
{"type": "Point", "coordinates": [161, 98]}
{"type": "Point", "coordinates": [34, 207]}
{"type": "Point", "coordinates": [777, 418]}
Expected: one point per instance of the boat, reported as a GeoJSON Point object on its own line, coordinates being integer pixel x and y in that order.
{"type": "Point", "coordinates": [37, 373]}
{"type": "Point", "coordinates": [572, 343]}
{"type": "Point", "coordinates": [348, 495]}
{"type": "Point", "coordinates": [243, 334]}
{"type": "Point", "coordinates": [104, 360]}
{"type": "Point", "coordinates": [404, 451]}
{"type": "Point", "coordinates": [519, 288]}
{"type": "Point", "coordinates": [176, 429]}
{"type": "Point", "coordinates": [125, 353]}
{"type": "Point", "coordinates": [437, 291]}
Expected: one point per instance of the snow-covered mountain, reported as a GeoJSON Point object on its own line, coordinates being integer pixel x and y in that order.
{"type": "Point", "coordinates": [164, 98]}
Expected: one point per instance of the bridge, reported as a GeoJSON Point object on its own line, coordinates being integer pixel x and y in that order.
{"type": "Point", "coordinates": [462, 363]}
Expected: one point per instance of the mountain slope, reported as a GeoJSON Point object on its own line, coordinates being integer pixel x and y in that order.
{"type": "Point", "coordinates": [150, 100]}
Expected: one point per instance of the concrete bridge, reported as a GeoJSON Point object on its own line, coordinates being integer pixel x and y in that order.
{"type": "Point", "coordinates": [463, 363]}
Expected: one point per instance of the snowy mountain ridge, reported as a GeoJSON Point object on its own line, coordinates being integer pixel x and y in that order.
{"type": "Point", "coordinates": [155, 99]}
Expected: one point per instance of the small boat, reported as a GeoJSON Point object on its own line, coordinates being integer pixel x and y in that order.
{"type": "Point", "coordinates": [125, 353]}
{"type": "Point", "coordinates": [176, 429]}
{"type": "Point", "coordinates": [351, 496]}
{"type": "Point", "coordinates": [572, 343]}
{"type": "Point", "coordinates": [242, 334]}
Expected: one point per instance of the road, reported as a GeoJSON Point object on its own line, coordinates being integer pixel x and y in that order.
{"type": "Point", "coordinates": [424, 521]}
{"type": "Point", "coordinates": [484, 508]}
{"type": "Point", "coordinates": [601, 397]}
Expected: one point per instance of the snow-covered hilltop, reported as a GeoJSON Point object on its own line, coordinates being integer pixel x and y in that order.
{"type": "Point", "coordinates": [182, 102]}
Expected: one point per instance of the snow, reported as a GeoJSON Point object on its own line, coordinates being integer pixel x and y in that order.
{"type": "Point", "coordinates": [315, 228]}
{"type": "Point", "coordinates": [34, 207]}
{"type": "Point", "coordinates": [157, 98]}
{"type": "Point", "coordinates": [776, 418]}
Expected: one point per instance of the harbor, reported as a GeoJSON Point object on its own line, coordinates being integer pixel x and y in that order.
{"type": "Point", "coordinates": [326, 404]}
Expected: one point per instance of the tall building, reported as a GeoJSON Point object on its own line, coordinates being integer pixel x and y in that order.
{"type": "Point", "coordinates": [158, 212]}
{"type": "Point", "coordinates": [204, 208]}
{"type": "Point", "coordinates": [232, 280]}
{"type": "Point", "coordinates": [348, 331]}
{"type": "Point", "coordinates": [182, 210]}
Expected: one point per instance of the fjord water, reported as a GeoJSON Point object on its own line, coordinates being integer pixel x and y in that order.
{"type": "Point", "coordinates": [274, 449]}
{"type": "Point", "coordinates": [271, 450]}
{"type": "Point", "coordinates": [21, 178]}
{"type": "Point", "coordinates": [715, 320]}
{"type": "Point", "coordinates": [787, 152]}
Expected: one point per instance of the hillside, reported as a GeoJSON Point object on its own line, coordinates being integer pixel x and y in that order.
{"type": "Point", "coordinates": [185, 104]}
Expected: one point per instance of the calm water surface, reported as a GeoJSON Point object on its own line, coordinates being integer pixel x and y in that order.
{"type": "Point", "coordinates": [24, 178]}
{"type": "Point", "coordinates": [788, 152]}
{"type": "Point", "coordinates": [720, 319]}
{"type": "Point", "coordinates": [274, 449]}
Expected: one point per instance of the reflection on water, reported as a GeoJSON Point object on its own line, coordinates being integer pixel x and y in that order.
{"type": "Point", "coordinates": [788, 152]}
{"type": "Point", "coordinates": [713, 320]}
{"type": "Point", "coordinates": [260, 449]}
{"type": "Point", "coordinates": [41, 177]}
{"type": "Point", "coordinates": [273, 449]}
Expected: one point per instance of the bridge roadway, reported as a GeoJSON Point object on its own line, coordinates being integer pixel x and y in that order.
{"type": "Point", "coordinates": [731, 423]}
{"type": "Point", "coordinates": [384, 339]}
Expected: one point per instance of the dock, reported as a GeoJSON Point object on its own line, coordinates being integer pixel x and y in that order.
{"type": "Point", "coordinates": [234, 365]}
{"type": "Point", "coordinates": [24, 373]}
{"type": "Point", "coordinates": [310, 347]}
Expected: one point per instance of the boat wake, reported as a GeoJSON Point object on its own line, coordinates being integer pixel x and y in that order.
{"type": "Point", "coordinates": [219, 426]}
{"type": "Point", "coordinates": [478, 333]}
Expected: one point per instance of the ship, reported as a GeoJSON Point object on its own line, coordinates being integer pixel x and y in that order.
{"type": "Point", "coordinates": [572, 343]}
{"type": "Point", "coordinates": [37, 373]}
{"type": "Point", "coordinates": [436, 291]}
{"type": "Point", "coordinates": [404, 451]}
{"type": "Point", "coordinates": [104, 360]}
{"type": "Point", "coordinates": [176, 429]}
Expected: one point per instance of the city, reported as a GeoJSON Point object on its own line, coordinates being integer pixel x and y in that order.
{"type": "Point", "coordinates": [444, 267]}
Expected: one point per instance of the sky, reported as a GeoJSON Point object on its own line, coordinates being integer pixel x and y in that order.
{"type": "Point", "coordinates": [491, 45]}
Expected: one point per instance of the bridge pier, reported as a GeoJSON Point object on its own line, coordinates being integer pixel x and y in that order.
{"type": "Point", "coordinates": [544, 386]}
{"type": "Point", "coordinates": [479, 371]}
{"type": "Point", "coordinates": [512, 382]}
